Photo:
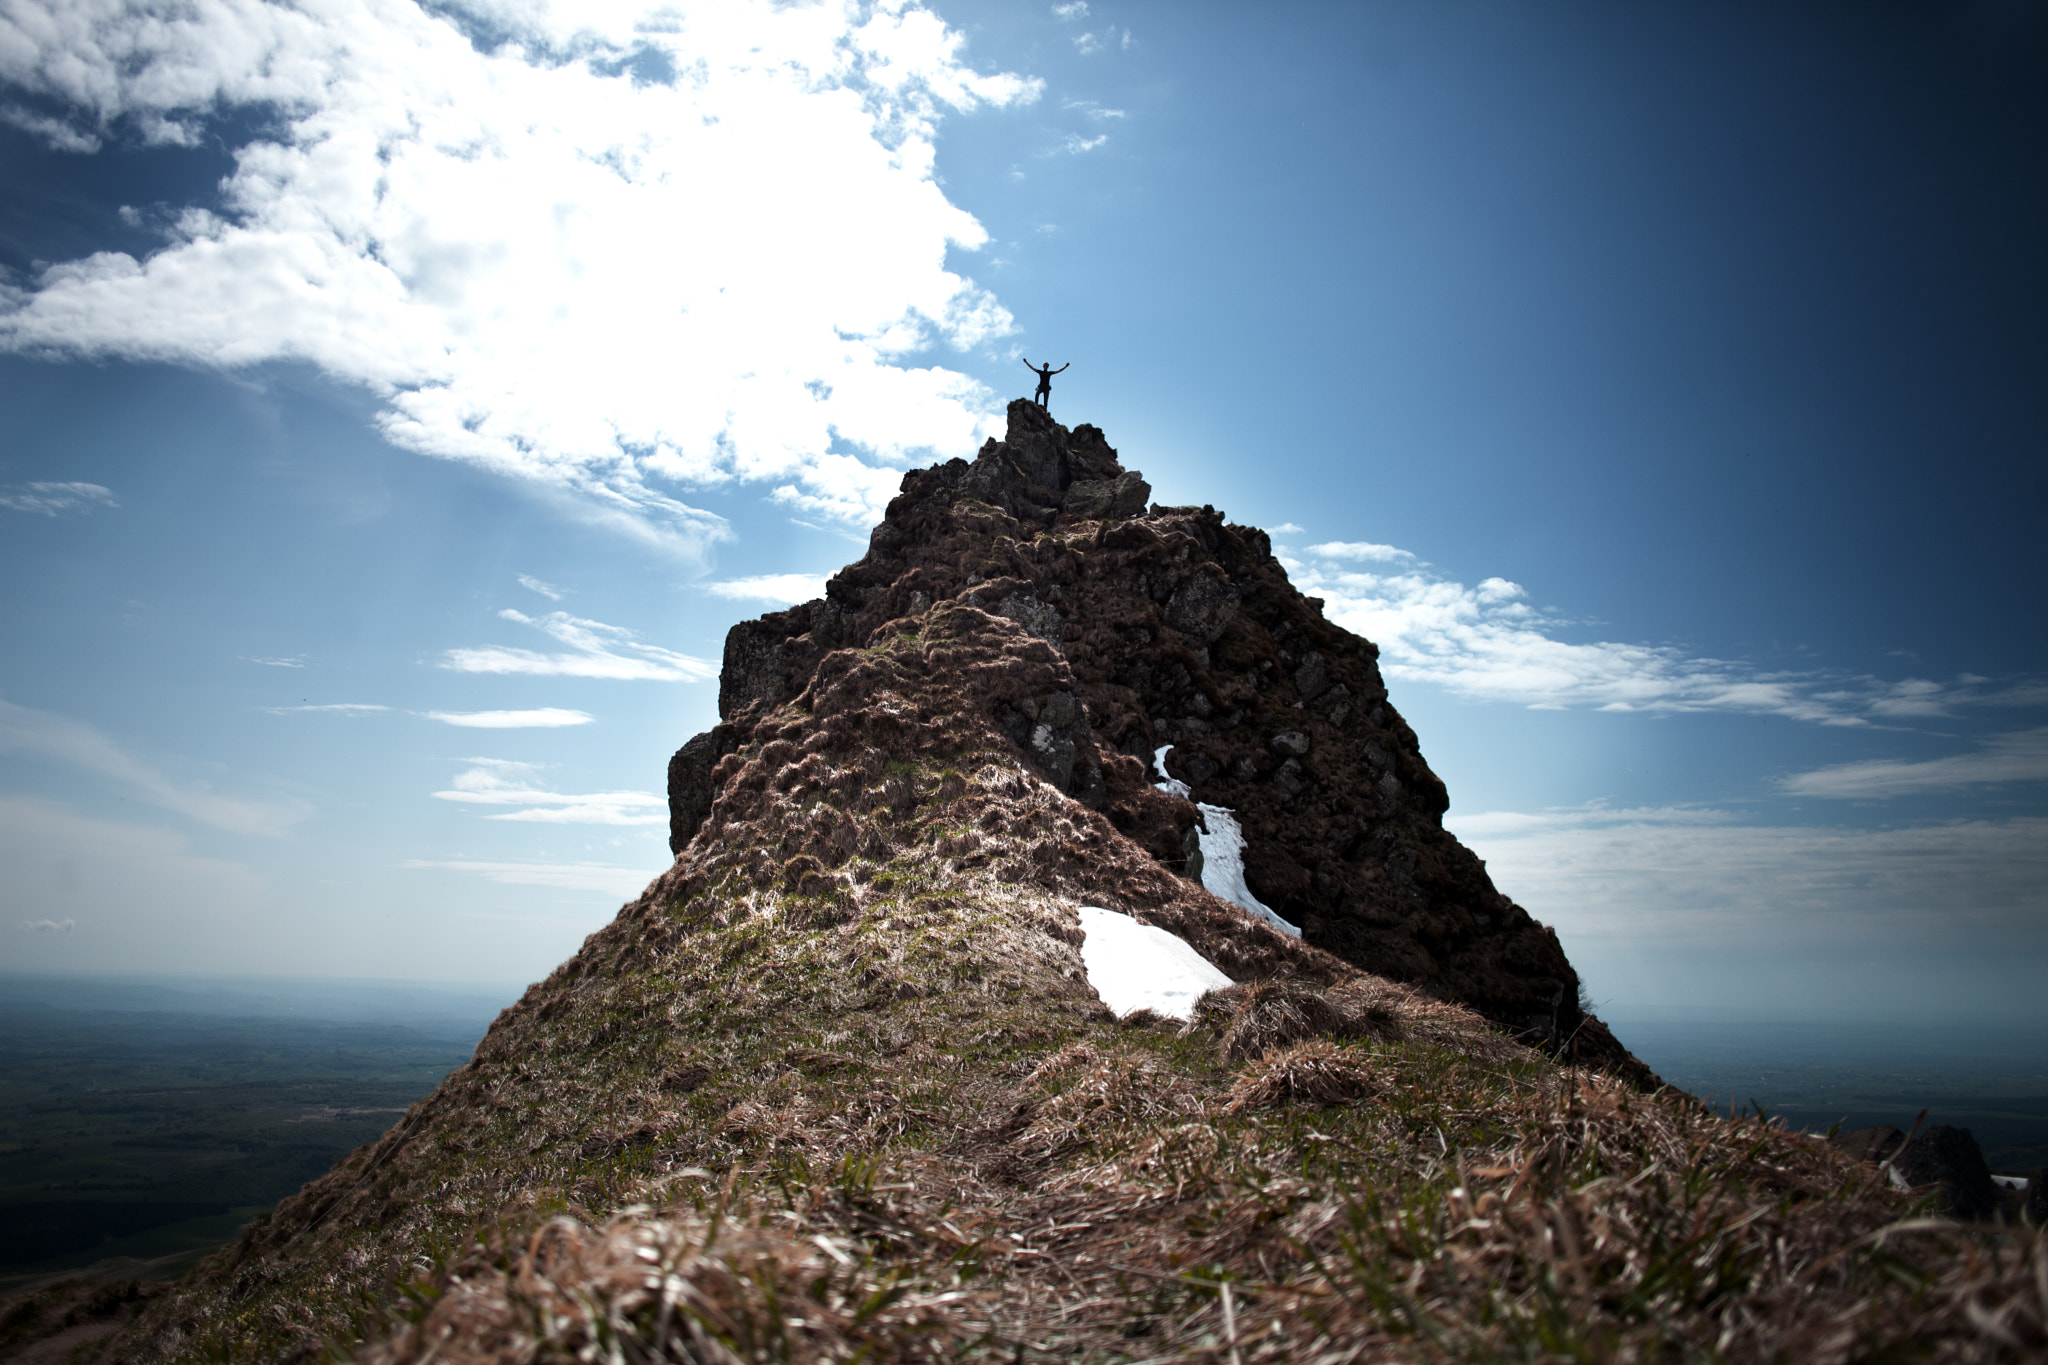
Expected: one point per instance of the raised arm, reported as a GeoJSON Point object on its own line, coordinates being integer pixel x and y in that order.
{"type": "Point", "coordinates": [1062, 369]}
{"type": "Point", "coordinates": [1031, 367]}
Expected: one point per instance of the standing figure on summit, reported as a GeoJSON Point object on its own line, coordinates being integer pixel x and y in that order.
{"type": "Point", "coordinates": [1045, 374]}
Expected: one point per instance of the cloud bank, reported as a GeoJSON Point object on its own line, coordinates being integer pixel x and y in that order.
{"type": "Point", "coordinates": [1663, 879]}
{"type": "Point", "coordinates": [1488, 643]}
{"type": "Point", "coordinates": [622, 250]}
{"type": "Point", "coordinates": [2021, 757]}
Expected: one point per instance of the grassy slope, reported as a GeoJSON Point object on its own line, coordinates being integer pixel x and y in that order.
{"type": "Point", "coordinates": [836, 1088]}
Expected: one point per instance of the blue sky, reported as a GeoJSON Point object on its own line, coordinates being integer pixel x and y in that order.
{"type": "Point", "coordinates": [403, 402]}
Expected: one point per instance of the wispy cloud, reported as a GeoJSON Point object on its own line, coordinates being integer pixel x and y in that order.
{"type": "Point", "coordinates": [1697, 875]}
{"type": "Point", "coordinates": [1093, 110]}
{"type": "Point", "coordinates": [1088, 44]}
{"type": "Point", "coordinates": [547, 590]}
{"type": "Point", "coordinates": [55, 499]}
{"type": "Point", "coordinates": [771, 587]}
{"type": "Point", "coordinates": [502, 782]}
{"type": "Point", "coordinates": [77, 745]}
{"type": "Point", "coordinates": [545, 718]}
{"type": "Point", "coordinates": [1286, 528]}
{"type": "Point", "coordinates": [2020, 757]}
{"type": "Point", "coordinates": [505, 243]}
{"type": "Point", "coordinates": [1076, 144]}
{"type": "Point", "coordinates": [617, 881]}
{"type": "Point", "coordinates": [285, 661]}
{"type": "Point", "coordinates": [49, 926]}
{"type": "Point", "coordinates": [1488, 643]}
{"type": "Point", "coordinates": [599, 651]}
{"type": "Point", "coordinates": [1359, 549]}
{"type": "Point", "coordinates": [1072, 9]}
{"type": "Point", "coordinates": [1668, 914]}
{"type": "Point", "coordinates": [338, 708]}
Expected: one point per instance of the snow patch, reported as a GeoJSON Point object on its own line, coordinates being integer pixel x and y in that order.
{"type": "Point", "coordinates": [1222, 850]}
{"type": "Point", "coordinates": [1135, 966]}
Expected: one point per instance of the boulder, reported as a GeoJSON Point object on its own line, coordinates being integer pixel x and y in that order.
{"type": "Point", "coordinates": [1094, 499]}
{"type": "Point", "coordinates": [1948, 1158]}
{"type": "Point", "coordinates": [1203, 604]}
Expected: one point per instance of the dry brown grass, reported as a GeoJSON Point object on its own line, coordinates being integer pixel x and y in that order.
{"type": "Point", "coordinates": [677, 1288]}
{"type": "Point", "coordinates": [874, 1111]}
{"type": "Point", "coordinates": [1315, 1073]}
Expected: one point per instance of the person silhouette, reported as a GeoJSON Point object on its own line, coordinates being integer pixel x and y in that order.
{"type": "Point", "coordinates": [1045, 374]}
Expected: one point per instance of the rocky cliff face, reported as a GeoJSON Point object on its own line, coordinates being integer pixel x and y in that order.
{"type": "Point", "coordinates": [1178, 629]}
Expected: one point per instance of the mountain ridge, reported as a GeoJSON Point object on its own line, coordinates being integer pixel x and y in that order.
{"type": "Point", "coordinates": [1184, 632]}
{"type": "Point", "coordinates": [838, 1086]}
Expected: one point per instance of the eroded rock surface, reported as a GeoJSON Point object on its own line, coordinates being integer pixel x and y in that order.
{"type": "Point", "coordinates": [1172, 627]}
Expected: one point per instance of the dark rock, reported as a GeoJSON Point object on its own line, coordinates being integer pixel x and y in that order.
{"type": "Point", "coordinates": [1948, 1158]}
{"type": "Point", "coordinates": [1292, 742]}
{"type": "Point", "coordinates": [2034, 1207]}
{"type": "Point", "coordinates": [690, 788]}
{"type": "Point", "coordinates": [1869, 1144]}
{"type": "Point", "coordinates": [1203, 604]}
{"type": "Point", "coordinates": [1179, 628]}
{"type": "Point", "coordinates": [1094, 499]}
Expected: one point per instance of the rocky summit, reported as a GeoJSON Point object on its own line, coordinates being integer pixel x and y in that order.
{"type": "Point", "coordinates": [841, 1084]}
{"type": "Point", "coordinates": [1168, 627]}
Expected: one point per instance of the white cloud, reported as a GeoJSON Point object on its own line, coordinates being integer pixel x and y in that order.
{"type": "Point", "coordinates": [56, 132]}
{"type": "Point", "coordinates": [1698, 876]}
{"type": "Point", "coordinates": [541, 262]}
{"type": "Point", "coordinates": [77, 745]}
{"type": "Point", "coordinates": [1286, 528]}
{"type": "Point", "coordinates": [54, 499]}
{"type": "Point", "coordinates": [601, 651]}
{"type": "Point", "coordinates": [547, 717]}
{"type": "Point", "coordinates": [617, 881]}
{"type": "Point", "coordinates": [1072, 9]}
{"type": "Point", "coordinates": [771, 587]}
{"type": "Point", "coordinates": [1487, 643]}
{"type": "Point", "coordinates": [2021, 757]}
{"type": "Point", "coordinates": [287, 661]}
{"type": "Point", "coordinates": [1356, 549]}
{"type": "Point", "coordinates": [338, 708]}
{"type": "Point", "coordinates": [49, 926]}
{"type": "Point", "coordinates": [1088, 44]}
{"type": "Point", "coordinates": [547, 590]}
{"type": "Point", "coordinates": [499, 782]}
{"type": "Point", "coordinates": [1076, 144]}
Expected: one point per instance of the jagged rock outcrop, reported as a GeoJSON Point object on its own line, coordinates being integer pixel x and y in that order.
{"type": "Point", "coordinates": [1180, 629]}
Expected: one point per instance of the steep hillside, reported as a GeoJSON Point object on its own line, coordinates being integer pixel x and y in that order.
{"type": "Point", "coordinates": [838, 1087]}
{"type": "Point", "coordinates": [1181, 630]}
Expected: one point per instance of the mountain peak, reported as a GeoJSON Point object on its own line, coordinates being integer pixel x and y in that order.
{"type": "Point", "coordinates": [842, 1083]}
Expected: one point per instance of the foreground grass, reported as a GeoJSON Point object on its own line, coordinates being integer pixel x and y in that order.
{"type": "Point", "coordinates": [837, 1089]}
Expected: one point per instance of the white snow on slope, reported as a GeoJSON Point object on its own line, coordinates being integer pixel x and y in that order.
{"type": "Point", "coordinates": [1222, 850]}
{"type": "Point", "coordinates": [1136, 966]}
